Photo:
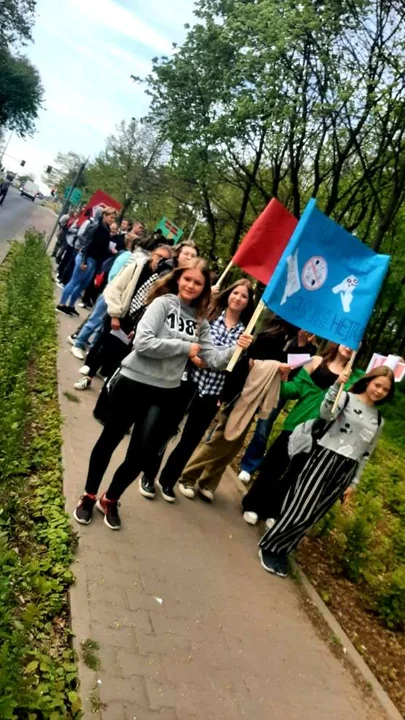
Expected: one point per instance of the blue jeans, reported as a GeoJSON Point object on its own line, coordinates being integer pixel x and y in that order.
{"type": "Point", "coordinates": [256, 449]}
{"type": "Point", "coordinates": [94, 324]}
{"type": "Point", "coordinates": [79, 280]}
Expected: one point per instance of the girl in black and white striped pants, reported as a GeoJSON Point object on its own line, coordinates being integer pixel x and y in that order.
{"type": "Point", "coordinates": [333, 467]}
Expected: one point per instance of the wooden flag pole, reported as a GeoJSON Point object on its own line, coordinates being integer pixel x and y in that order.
{"type": "Point", "coordinates": [348, 368]}
{"type": "Point", "coordinates": [224, 274]}
{"type": "Point", "coordinates": [249, 327]}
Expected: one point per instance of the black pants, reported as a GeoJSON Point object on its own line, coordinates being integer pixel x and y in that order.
{"type": "Point", "coordinates": [66, 273]}
{"type": "Point", "coordinates": [68, 254]}
{"type": "Point", "coordinates": [60, 242]}
{"type": "Point", "coordinates": [90, 294]}
{"type": "Point", "coordinates": [267, 493]}
{"type": "Point", "coordinates": [2, 196]}
{"type": "Point", "coordinates": [149, 409]}
{"type": "Point", "coordinates": [108, 352]}
{"type": "Point", "coordinates": [202, 411]}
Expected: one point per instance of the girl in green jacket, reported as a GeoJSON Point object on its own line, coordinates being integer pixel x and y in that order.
{"type": "Point", "coordinates": [309, 387]}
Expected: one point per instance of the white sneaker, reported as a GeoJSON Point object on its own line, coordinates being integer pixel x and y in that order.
{"type": "Point", "coordinates": [83, 384]}
{"type": "Point", "coordinates": [188, 492]}
{"type": "Point", "coordinates": [84, 370]}
{"type": "Point", "coordinates": [71, 339]}
{"type": "Point", "coordinates": [250, 517]}
{"type": "Point", "coordinates": [207, 494]}
{"type": "Point", "coordinates": [78, 352]}
{"type": "Point", "coordinates": [270, 522]}
{"type": "Point", "coordinates": [244, 476]}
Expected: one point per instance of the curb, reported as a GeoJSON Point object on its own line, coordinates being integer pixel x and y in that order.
{"type": "Point", "coordinates": [361, 666]}
{"type": "Point", "coordinates": [351, 653]}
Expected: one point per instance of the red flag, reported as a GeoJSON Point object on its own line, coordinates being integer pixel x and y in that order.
{"type": "Point", "coordinates": [265, 242]}
{"type": "Point", "coordinates": [99, 198]}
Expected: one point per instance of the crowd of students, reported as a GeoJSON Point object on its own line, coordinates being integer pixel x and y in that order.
{"type": "Point", "coordinates": [161, 336]}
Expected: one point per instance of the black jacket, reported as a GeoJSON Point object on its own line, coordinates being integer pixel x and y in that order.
{"type": "Point", "coordinates": [97, 245]}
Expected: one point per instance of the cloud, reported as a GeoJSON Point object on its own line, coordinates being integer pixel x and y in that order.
{"type": "Point", "coordinates": [109, 14]}
{"type": "Point", "coordinates": [134, 63]}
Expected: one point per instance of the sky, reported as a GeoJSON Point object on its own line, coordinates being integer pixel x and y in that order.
{"type": "Point", "coordinates": [85, 51]}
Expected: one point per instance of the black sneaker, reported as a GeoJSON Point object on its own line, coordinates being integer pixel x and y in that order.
{"type": "Point", "coordinates": [268, 561]}
{"type": "Point", "coordinates": [167, 493]}
{"type": "Point", "coordinates": [282, 565]}
{"type": "Point", "coordinates": [73, 311]}
{"type": "Point", "coordinates": [83, 513]}
{"type": "Point", "coordinates": [109, 508]}
{"type": "Point", "coordinates": [63, 309]}
{"type": "Point", "coordinates": [146, 487]}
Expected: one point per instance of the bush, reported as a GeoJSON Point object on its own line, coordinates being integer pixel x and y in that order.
{"type": "Point", "coordinates": [366, 541]}
{"type": "Point", "coordinates": [38, 676]}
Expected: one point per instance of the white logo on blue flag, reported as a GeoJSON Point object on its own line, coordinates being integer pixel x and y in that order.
{"type": "Point", "coordinates": [327, 281]}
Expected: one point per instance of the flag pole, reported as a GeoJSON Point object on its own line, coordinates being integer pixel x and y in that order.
{"type": "Point", "coordinates": [224, 274]}
{"type": "Point", "coordinates": [249, 327]}
{"type": "Point", "coordinates": [348, 369]}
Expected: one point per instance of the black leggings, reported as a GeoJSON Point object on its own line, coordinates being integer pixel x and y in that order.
{"type": "Point", "coordinates": [201, 412]}
{"type": "Point", "coordinates": [150, 409]}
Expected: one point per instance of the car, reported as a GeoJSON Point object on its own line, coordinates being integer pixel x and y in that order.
{"type": "Point", "coordinates": [30, 190]}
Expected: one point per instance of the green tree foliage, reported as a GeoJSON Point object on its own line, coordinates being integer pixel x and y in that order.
{"type": "Point", "coordinates": [64, 171]}
{"type": "Point", "coordinates": [21, 93]}
{"type": "Point", "coordinates": [296, 100]}
{"type": "Point", "coordinates": [17, 19]}
{"type": "Point", "coordinates": [129, 166]}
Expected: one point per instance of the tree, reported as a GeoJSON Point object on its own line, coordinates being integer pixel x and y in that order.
{"type": "Point", "coordinates": [129, 165]}
{"type": "Point", "coordinates": [21, 93]}
{"type": "Point", "coordinates": [295, 100]}
{"type": "Point", "coordinates": [22, 179]}
{"type": "Point", "coordinates": [17, 18]}
{"type": "Point", "coordinates": [64, 171]}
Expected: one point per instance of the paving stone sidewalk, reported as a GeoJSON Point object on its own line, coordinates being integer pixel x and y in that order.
{"type": "Point", "coordinates": [189, 625]}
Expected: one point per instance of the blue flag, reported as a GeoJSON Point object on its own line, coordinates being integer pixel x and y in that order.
{"type": "Point", "coordinates": [327, 281]}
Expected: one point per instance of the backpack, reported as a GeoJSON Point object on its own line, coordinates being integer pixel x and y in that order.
{"type": "Point", "coordinates": [305, 436]}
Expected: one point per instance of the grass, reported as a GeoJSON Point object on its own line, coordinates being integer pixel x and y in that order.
{"type": "Point", "coordinates": [38, 672]}
{"type": "Point", "coordinates": [71, 396]}
{"type": "Point", "coordinates": [90, 649]}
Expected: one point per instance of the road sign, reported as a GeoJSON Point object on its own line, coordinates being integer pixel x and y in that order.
{"type": "Point", "coordinates": [75, 197]}
{"type": "Point", "coordinates": [169, 230]}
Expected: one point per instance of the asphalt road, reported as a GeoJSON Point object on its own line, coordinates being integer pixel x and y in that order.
{"type": "Point", "coordinates": [17, 214]}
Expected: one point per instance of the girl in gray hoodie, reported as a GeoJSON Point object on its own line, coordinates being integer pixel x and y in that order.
{"type": "Point", "coordinates": [173, 330]}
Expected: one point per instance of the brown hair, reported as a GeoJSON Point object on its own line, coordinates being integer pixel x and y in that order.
{"type": "Point", "coordinates": [170, 284]}
{"type": "Point", "coordinates": [186, 243]}
{"type": "Point", "coordinates": [110, 211]}
{"type": "Point", "coordinates": [382, 371]}
{"type": "Point", "coordinates": [220, 302]}
{"type": "Point", "coordinates": [275, 326]}
{"type": "Point", "coordinates": [330, 353]}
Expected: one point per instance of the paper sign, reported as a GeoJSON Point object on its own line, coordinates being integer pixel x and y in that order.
{"type": "Point", "coordinates": [394, 362]}
{"type": "Point", "coordinates": [121, 336]}
{"type": "Point", "coordinates": [296, 360]}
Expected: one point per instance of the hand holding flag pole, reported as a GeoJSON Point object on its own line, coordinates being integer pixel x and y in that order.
{"type": "Point", "coordinates": [326, 281]}
{"type": "Point", "coordinates": [249, 328]}
{"type": "Point", "coordinates": [348, 369]}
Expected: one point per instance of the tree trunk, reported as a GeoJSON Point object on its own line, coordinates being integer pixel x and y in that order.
{"type": "Point", "coordinates": [246, 194]}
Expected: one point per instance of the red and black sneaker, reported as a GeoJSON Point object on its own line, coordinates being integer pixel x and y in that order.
{"type": "Point", "coordinates": [83, 512]}
{"type": "Point", "coordinates": [109, 508]}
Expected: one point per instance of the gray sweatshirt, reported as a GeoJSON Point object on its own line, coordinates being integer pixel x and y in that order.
{"type": "Point", "coordinates": [356, 430]}
{"type": "Point", "coordinates": [162, 344]}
